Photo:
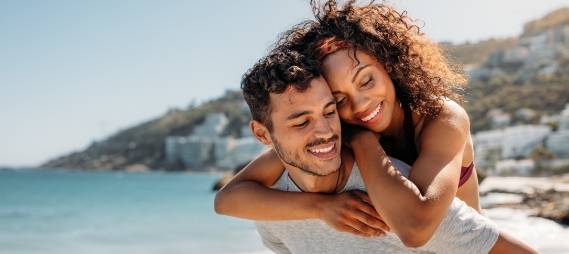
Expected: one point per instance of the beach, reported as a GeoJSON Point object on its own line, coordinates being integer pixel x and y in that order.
{"type": "Point", "coordinates": [62, 211]}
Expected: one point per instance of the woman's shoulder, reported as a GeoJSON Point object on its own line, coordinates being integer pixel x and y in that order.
{"type": "Point", "coordinates": [450, 111]}
{"type": "Point", "coordinates": [451, 117]}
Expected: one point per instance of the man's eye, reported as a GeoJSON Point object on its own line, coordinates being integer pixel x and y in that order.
{"type": "Point", "coordinates": [341, 101]}
{"type": "Point", "coordinates": [301, 124]}
{"type": "Point", "coordinates": [332, 112]}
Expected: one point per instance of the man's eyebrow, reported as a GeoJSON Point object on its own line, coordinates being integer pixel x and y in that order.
{"type": "Point", "coordinates": [299, 114]}
{"type": "Point", "coordinates": [306, 112]}
{"type": "Point", "coordinates": [358, 72]}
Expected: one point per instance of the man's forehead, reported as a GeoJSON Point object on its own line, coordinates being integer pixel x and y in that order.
{"type": "Point", "coordinates": [317, 93]}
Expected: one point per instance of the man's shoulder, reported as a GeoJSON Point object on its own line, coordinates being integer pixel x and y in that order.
{"type": "Point", "coordinates": [281, 183]}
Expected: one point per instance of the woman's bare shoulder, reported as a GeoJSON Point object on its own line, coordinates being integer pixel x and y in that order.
{"type": "Point", "coordinates": [452, 117]}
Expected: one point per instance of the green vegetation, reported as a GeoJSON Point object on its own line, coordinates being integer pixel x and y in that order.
{"type": "Point", "coordinates": [546, 94]}
{"type": "Point", "coordinates": [476, 53]}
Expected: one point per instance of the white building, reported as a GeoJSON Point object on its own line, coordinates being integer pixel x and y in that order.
{"type": "Point", "coordinates": [564, 119]}
{"type": "Point", "coordinates": [245, 151]}
{"type": "Point", "coordinates": [199, 148]}
{"type": "Point", "coordinates": [172, 148]}
{"type": "Point", "coordinates": [498, 118]}
{"type": "Point", "coordinates": [205, 146]}
{"type": "Point", "coordinates": [515, 167]}
{"type": "Point", "coordinates": [212, 127]}
{"type": "Point", "coordinates": [509, 143]}
{"type": "Point", "coordinates": [487, 147]}
{"type": "Point", "coordinates": [558, 142]}
{"type": "Point", "coordinates": [520, 140]}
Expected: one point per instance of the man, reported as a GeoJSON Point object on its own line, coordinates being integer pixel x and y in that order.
{"type": "Point", "coordinates": [294, 111]}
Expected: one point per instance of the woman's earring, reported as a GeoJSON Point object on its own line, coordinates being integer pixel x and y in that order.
{"type": "Point", "coordinates": [400, 104]}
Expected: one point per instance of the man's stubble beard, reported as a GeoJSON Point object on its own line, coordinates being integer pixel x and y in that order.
{"type": "Point", "coordinates": [296, 161]}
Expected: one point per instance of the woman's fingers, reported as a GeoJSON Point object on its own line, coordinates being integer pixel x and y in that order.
{"type": "Point", "coordinates": [368, 224]}
{"type": "Point", "coordinates": [371, 221]}
{"type": "Point", "coordinates": [352, 212]}
{"type": "Point", "coordinates": [359, 228]}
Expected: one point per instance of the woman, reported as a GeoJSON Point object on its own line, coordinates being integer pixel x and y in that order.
{"type": "Point", "coordinates": [389, 78]}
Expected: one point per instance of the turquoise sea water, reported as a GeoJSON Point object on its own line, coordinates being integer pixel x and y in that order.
{"type": "Point", "coordinates": [57, 211]}
{"type": "Point", "coordinates": [64, 212]}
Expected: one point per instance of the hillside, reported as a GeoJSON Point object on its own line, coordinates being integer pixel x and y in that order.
{"type": "Point", "coordinates": [474, 54]}
{"type": "Point", "coordinates": [554, 18]}
{"type": "Point", "coordinates": [546, 95]}
{"type": "Point", "coordinates": [529, 71]}
{"type": "Point", "coordinates": [142, 147]}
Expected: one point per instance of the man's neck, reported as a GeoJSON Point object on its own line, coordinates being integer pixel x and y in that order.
{"type": "Point", "coordinates": [329, 184]}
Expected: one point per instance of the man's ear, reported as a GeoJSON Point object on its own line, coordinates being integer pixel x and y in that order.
{"type": "Point", "coordinates": [261, 132]}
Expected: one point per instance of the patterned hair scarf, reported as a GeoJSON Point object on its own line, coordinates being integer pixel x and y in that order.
{"type": "Point", "coordinates": [328, 46]}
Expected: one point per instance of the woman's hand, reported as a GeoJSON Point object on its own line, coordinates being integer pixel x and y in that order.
{"type": "Point", "coordinates": [352, 212]}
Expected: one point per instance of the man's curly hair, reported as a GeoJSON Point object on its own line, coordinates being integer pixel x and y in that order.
{"type": "Point", "coordinates": [275, 73]}
{"type": "Point", "coordinates": [422, 75]}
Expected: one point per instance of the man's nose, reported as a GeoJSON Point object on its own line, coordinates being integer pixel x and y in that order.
{"type": "Point", "coordinates": [323, 128]}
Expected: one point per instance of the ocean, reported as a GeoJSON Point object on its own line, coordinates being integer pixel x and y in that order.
{"type": "Point", "coordinates": [58, 211]}
{"type": "Point", "coordinates": [61, 211]}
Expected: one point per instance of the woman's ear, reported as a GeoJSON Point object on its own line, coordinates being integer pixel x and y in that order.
{"type": "Point", "coordinates": [261, 132]}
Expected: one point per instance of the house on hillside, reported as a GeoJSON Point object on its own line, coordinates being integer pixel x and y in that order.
{"type": "Point", "coordinates": [206, 147]}
{"type": "Point", "coordinates": [515, 142]}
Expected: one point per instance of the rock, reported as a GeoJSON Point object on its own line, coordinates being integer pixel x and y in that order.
{"type": "Point", "coordinates": [222, 181]}
{"type": "Point", "coordinates": [545, 197]}
{"type": "Point", "coordinates": [227, 177]}
{"type": "Point", "coordinates": [137, 168]}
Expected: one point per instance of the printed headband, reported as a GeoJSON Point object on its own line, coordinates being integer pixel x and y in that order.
{"type": "Point", "coordinates": [328, 46]}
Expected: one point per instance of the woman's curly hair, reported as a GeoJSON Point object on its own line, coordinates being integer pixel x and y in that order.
{"type": "Point", "coordinates": [422, 74]}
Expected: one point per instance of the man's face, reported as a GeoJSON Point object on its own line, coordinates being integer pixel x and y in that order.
{"type": "Point", "coordinates": [306, 128]}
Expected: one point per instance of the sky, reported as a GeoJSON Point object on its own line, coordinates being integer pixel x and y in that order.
{"type": "Point", "coordinates": [74, 72]}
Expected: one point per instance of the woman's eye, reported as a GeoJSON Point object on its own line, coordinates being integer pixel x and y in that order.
{"type": "Point", "coordinates": [341, 101]}
{"type": "Point", "coordinates": [368, 82]}
{"type": "Point", "coordinates": [332, 112]}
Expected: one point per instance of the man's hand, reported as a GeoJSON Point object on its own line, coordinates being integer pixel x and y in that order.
{"type": "Point", "coordinates": [352, 212]}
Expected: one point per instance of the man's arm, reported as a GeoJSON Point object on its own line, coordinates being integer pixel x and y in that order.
{"type": "Point", "coordinates": [508, 244]}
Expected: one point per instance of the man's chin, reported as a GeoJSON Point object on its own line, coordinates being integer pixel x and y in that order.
{"type": "Point", "coordinates": [325, 170]}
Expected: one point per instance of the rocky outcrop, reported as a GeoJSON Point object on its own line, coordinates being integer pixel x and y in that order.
{"type": "Point", "coordinates": [543, 197]}
{"type": "Point", "coordinates": [225, 178]}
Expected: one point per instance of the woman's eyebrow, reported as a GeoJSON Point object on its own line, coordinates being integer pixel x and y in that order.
{"type": "Point", "coordinates": [358, 72]}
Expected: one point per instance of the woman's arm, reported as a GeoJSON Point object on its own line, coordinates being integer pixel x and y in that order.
{"type": "Point", "coordinates": [415, 207]}
{"type": "Point", "coordinates": [247, 196]}
{"type": "Point", "coordinates": [507, 244]}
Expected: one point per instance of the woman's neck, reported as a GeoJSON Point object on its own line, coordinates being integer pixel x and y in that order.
{"type": "Point", "coordinates": [396, 125]}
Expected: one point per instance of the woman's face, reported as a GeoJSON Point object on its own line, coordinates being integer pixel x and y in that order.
{"type": "Point", "coordinates": [363, 90]}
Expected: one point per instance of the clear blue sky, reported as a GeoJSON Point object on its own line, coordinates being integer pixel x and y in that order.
{"type": "Point", "coordinates": [76, 71]}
